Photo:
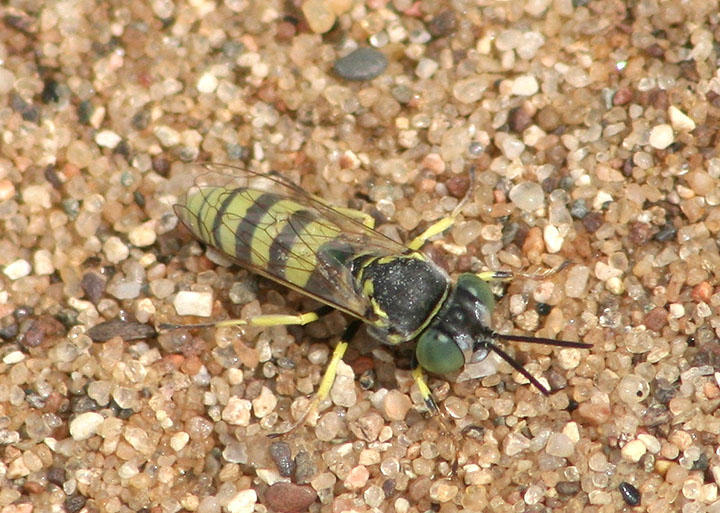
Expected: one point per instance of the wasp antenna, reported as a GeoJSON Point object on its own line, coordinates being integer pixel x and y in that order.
{"type": "Point", "coordinates": [541, 340]}
{"type": "Point", "coordinates": [518, 367]}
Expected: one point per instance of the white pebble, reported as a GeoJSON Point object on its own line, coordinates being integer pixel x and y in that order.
{"type": "Point", "coordinates": [17, 269]}
{"type": "Point", "coordinates": [179, 440]}
{"type": "Point", "coordinates": [243, 502]}
{"type": "Point", "coordinates": [37, 197]}
{"type": "Point", "coordinates": [525, 85]}
{"type": "Point", "coordinates": [85, 425]}
{"type": "Point", "coordinates": [511, 146]}
{"type": "Point", "coordinates": [527, 196]}
{"type": "Point", "coordinates": [572, 432]}
{"type": "Point", "coordinates": [677, 310]}
{"type": "Point", "coordinates": [143, 235]}
{"type": "Point", "coordinates": [188, 302]}
{"type": "Point", "coordinates": [553, 239]}
{"type": "Point", "coordinates": [679, 120]}
{"type": "Point", "coordinates": [237, 412]}
{"type": "Point", "coordinates": [264, 404]}
{"type": "Point", "coordinates": [207, 83]}
{"type": "Point", "coordinates": [167, 136]}
{"type": "Point", "coordinates": [633, 451]}
{"type": "Point", "coordinates": [42, 262]}
{"type": "Point", "coordinates": [601, 198]}
{"type": "Point", "coordinates": [661, 136]}
{"type": "Point", "coordinates": [107, 139]}
{"type": "Point", "coordinates": [115, 250]}
{"type": "Point", "coordinates": [577, 281]}
{"type": "Point", "coordinates": [651, 442]}
{"type": "Point", "coordinates": [13, 357]}
{"type": "Point", "coordinates": [426, 68]}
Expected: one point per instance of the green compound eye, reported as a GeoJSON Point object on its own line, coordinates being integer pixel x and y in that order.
{"type": "Point", "coordinates": [438, 353]}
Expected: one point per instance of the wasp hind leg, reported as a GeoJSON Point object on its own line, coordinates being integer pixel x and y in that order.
{"type": "Point", "coordinates": [259, 320]}
{"type": "Point", "coordinates": [327, 380]}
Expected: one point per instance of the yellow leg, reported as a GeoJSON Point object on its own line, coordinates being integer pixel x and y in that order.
{"type": "Point", "coordinates": [434, 229]}
{"type": "Point", "coordinates": [323, 390]}
{"type": "Point", "coordinates": [272, 320]}
{"type": "Point", "coordinates": [260, 320]}
{"type": "Point", "coordinates": [495, 275]}
{"type": "Point", "coordinates": [425, 392]}
{"type": "Point", "coordinates": [446, 222]}
{"type": "Point", "coordinates": [328, 378]}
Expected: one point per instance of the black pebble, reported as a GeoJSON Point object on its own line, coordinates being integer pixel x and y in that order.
{"type": "Point", "coordinates": [630, 494]}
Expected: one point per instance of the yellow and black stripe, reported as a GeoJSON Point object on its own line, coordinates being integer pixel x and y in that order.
{"type": "Point", "coordinates": [275, 236]}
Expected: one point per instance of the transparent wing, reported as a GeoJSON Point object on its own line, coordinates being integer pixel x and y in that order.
{"type": "Point", "coordinates": [273, 227]}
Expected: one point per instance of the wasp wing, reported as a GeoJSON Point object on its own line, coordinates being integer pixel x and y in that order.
{"type": "Point", "coordinates": [274, 228]}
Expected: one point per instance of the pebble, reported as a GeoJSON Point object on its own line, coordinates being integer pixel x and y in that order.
{"type": "Point", "coordinates": [470, 89]}
{"type": "Point", "coordinates": [560, 445]}
{"type": "Point", "coordinates": [443, 491]}
{"type": "Point", "coordinates": [237, 411]}
{"type": "Point", "coordinates": [661, 136]}
{"type": "Point", "coordinates": [179, 440]}
{"type": "Point", "coordinates": [17, 269]}
{"type": "Point", "coordinates": [630, 494]}
{"type": "Point", "coordinates": [357, 478]}
{"type": "Point", "coordinates": [525, 85]}
{"type": "Point", "coordinates": [343, 391]}
{"type": "Point", "coordinates": [361, 64]}
{"type": "Point", "coordinates": [553, 239]}
{"type": "Point", "coordinates": [319, 16]}
{"type": "Point", "coordinates": [527, 196]}
{"type": "Point", "coordinates": [143, 235]}
{"type": "Point", "coordinates": [85, 425]}
{"type": "Point", "coordinates": [633, 450]}
{"type": "Point", "coordinates": [567, 488]}
{"type": "Point", "coordinates": [167, 136]}
{"type": "Point", "coordinates": [368, 427]}
{"type": "Point", "coordinates": [577, 279]}
{"type": "Point", "coordinates": [43, 262]}
{"type": "Point", "coordinates": [115, 250]}
{"type": "Point", "coordinates": [207, 83]}
{"type": "Point", "coordinates": [633, 389]}
{"type": "Point", "coordinates": [289, 497]}
{"type": "Point", "coordinates": [139, 439]}
{"type": "Point", "coordinates": [533, 494]}
{"type": "Point", "coordinates": [188, 302]}
{"type": "Point", "coordinates": [679, 120]}
{"type": "Point", "coordinates": [426, 68]}
{"type": "Point", "coordinates": [13, 357]}
{"type": "Point", "coordinates": [515, 443]}
{"type": "Point", "coordinates": [243, 502]}
{"type": "Point", "coordinates": [396, 405]}
{"type": "Point", "coordinates": [107, 139]}
{"type": "Point", "coordinates": [264, 404]}
{"type": "Point", "coordinates": [282, 456]}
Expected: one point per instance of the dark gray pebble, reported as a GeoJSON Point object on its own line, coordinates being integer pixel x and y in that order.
{"type": "Point", "coordinates": [361, 64]}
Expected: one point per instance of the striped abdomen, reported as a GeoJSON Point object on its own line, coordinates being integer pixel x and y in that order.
{"type": "Point", "coordinates": [275, 236]}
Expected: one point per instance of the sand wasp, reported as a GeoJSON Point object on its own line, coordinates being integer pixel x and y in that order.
{"type": "Point", "coordinates": [276, 229]}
